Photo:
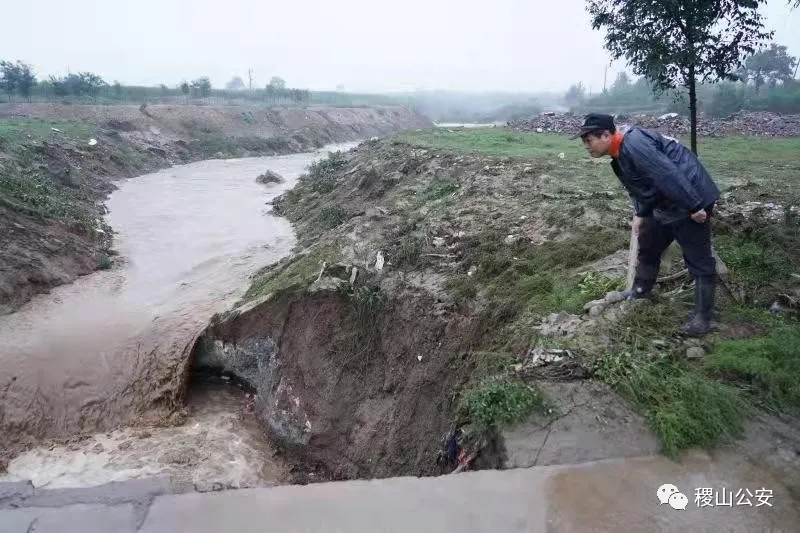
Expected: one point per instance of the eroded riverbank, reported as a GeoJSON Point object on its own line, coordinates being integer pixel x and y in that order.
{"type": "Point", "coordinates": [112, 348]}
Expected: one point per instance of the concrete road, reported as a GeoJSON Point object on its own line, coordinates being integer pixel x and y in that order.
{"type": "Point", "coordinates": [607, 496]}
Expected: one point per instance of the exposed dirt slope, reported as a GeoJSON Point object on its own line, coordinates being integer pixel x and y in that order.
{"type": "Point", "coordinates": [51, 178]}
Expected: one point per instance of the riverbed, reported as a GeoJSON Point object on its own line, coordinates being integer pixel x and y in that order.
{"type": "Point", "coordinates": [107, 356]}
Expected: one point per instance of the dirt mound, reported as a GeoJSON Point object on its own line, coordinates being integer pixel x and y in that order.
{"type": "Point", "coordinates": [742, 123]}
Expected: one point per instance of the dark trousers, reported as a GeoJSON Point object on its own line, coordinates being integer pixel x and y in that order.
{"type": "Point", "coordinates": [694, 240]}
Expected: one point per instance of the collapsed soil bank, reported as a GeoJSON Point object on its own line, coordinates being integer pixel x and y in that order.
{"type": "Point", "coordinates": [346, 396]}
{"type": "Point", "coordinates": [55, 179]}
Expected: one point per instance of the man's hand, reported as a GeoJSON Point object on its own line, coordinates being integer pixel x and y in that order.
{"type": "Point", "coordinates": [700, 216]}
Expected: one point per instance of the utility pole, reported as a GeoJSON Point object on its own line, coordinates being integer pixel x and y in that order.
{"type": "Point", "coordinates": [250, 77]}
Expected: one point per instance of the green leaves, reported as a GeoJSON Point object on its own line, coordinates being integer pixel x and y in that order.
{"type": "Point", "coordinates": [661, 40]}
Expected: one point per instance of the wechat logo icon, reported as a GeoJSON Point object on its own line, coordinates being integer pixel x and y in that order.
{"type": "Point", "coordinates": [670, 494]}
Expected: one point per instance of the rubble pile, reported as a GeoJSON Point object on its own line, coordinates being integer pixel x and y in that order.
{"type": "Point", "coordinates": [741, 123]}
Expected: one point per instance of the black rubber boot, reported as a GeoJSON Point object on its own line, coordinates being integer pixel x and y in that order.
{"type": "Point", "coordinates": [700, 323]}
{"type": "Point", "coordinates": [643, 282]}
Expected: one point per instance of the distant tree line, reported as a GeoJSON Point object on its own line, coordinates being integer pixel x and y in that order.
{"type": "Point", "coordinates": [765, 82]}
{"type": "Point", "coordinates": [18, 81]}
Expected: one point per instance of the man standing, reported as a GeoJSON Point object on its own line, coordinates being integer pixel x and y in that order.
{"type": "Point", "coordinates": [673, 197]}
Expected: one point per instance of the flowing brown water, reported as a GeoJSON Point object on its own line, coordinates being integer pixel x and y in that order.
{"type": "Point", "coordinates": [112, 348]}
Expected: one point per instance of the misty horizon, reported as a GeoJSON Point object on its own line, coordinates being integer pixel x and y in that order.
{"type": "Point", "coordinates": [513, 47]}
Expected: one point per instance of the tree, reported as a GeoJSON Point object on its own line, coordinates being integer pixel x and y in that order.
{"type": "Point", "coordinates": [236, 84]}
{"type": "Point", "coordinates": [576, 94]}
{"type": "Point", "coordinates": [622, 82]}
{"type": "Point", "coordinates": [17, 77]}
{"type": "Point", "coordinates": [769, 66]}
{"type": "Point", "coordinates": [117, 90]}
{"type": "Point", "coordinates": [674, 43]}
{"type": "Point", "coordinates": [185, 88]}
{"type": "Point", "coordinates": [202, 86]}
{"type": "Point", "coordinates": [83, 83]}
{"type": "Point", "coordinates": [278, 83]}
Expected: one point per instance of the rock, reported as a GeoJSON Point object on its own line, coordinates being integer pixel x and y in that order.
{"type": "Point", "coordinates": [379, 260]}
{"type": "Point", "coordinates": [269, 177]}
{"type": "Point", "coordinates": [614, 297]}
{"type": "Point", "coordinates": [438, 242]}
{"type": "Point", "coordinates": [543, 356]}
{"type": "Point", "coordinates": [659, 342]}
{"type": "Point", "coordinates": [472, 270]}
{"type": "Point", "coordinates": [597, 310]}
{"type": "Point", "coordinates": [125, 445]}
{"type": "Point", "coordinates": [695, 352]}
{"type": "Point", "coordinates": [593, 303]}
{"type": "Point", "coordinates": [511, 239]}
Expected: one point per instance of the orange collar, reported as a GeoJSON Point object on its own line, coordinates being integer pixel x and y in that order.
{"type": "Point", "coordinates": [616, 143]}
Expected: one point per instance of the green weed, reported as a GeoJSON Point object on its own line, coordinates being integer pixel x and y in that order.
{"type": "Point", "coordinates": [499, 403]}
{"type": "Point", "coordinates": [768, 366]}
{"type": "Point", "coordinates": [682, 407]}
{"type": "Point", "coordinates": [330, 216]}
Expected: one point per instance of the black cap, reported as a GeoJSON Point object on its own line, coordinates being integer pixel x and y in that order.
{"type": "Point", "coordinates": [596, 122]}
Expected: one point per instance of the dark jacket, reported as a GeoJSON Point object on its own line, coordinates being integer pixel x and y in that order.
{"type": "Point", "coordinates": [664, 178]}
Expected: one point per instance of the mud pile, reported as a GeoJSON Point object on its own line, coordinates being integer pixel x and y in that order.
{"type": "Point", "coordinates": [742, 123]}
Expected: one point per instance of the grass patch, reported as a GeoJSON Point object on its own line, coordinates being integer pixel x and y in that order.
{"type": "Point", "coordinates": [321, 174]}
{"type": "Point", "coordinates": [18, 131]}
{"type": "Point", "coordinates": [538, 280]}
{"type": "Point", "coordinates": [368, 302]}
{"type": "Point", "coordinates": [594, 285]}
{"type": "Point", "coordinates": [500, 403]}
{"type": "Point", "coordinates": [773, 162]}
{"type": "Point", "coordinates": [330, 216]}
{"type": "Point", "coordinates": [682, 407]}
{"type": "Point", "coordinates": [290, 273]}
{"type": "Point", "coordinates": [767, 366]}
{"type": "Point", "coordinates": [39, 195]}
{"type": "Point", "coordinates": [408, 253]}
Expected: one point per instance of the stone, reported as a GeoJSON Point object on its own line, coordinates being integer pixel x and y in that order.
{"type": "Point", "coordinates": [438, 242]}
{"type": "Point", "coordinates": [597, 310]}
{"type": "Point", "coordinates": [593, 303]}
{"type": "Point", "coordinates": [614, 297]}
{"type": "Point", "coordinates": [511, 239]}
{"type": "Point", "coordinates": [695, 352]}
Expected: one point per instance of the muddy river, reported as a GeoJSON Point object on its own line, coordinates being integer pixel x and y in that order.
{"type": "Point", "coordinates": [107, 355]}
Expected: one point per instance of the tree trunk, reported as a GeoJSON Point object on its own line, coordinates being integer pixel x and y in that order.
{"type": "Point", "coordinates": [693, 107]}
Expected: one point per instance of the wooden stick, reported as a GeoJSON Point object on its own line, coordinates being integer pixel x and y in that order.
{"type": "Point", "coordinates": [633, 253]}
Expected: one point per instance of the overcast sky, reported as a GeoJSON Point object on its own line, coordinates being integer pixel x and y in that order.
{"type": "Point", "coordinates": [362, 44]}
